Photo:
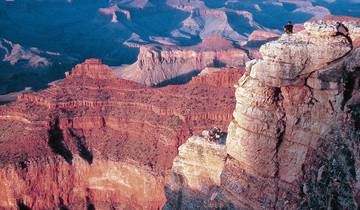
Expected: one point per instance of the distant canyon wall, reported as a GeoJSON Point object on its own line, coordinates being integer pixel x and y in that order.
{"type": "Point", "coordinates": [166, 65]}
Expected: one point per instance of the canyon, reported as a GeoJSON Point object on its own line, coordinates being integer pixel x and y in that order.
{"type": "Point", "coordinates": [97, 141]}
{"type": "Point", "coordinates": [115, 31]}
{"type": "Point", "coordinates": [93, 139]}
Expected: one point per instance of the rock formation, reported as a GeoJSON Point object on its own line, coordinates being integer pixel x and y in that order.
{"type": "Point", "coordinates": [196, 173]}
{"type": "Point", "coordinates": [93, 140]}
{"type": "Point", "coordinates": [158, 65]}
{"type": "Point", "coordinates": [258, 38]}
{"type": "Point", "coordinates": [294, 140]}
{"type": "Point", "coordinates": [260, 35]}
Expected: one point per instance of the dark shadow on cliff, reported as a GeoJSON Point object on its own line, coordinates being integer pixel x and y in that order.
{"type": "Point", "coordinates": [329, 182]}
{"type": "Point", "coordinates": [83, 149]}
{"type": "Point", "coordinates": [4, 102]}
{"type": "Point", "coordinates": [22, 206]}
{"type": "Point", "coordinates": [349, 79]}
{"type": "Point", "coordinates": [182, 79]}
{"type": "Point", "coordinates": [89, 204]}
{"type": "Point", "coordinates": [62, 206]}
{"type": "Point", "coordinates": [218, 63]}
{"type": "Point", "coordinates": [57, 144]}
{"type": "Point", "coordinates": [23, 164]}
{"type": "Point", "coordinates": [355, 114]}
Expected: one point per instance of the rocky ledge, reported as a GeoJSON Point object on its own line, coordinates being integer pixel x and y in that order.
{"type": "Point", "coordinates": [294, 141]}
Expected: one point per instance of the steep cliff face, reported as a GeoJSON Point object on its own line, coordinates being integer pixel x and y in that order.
{"type": "Point", "coordinates": [294, 140]}
{"type": "Point", "coordinates": [93, 140]}
{"type": "Point", "coordinates": [52, 183]}
{"type": "Point", "coordinates": [196, 171]}
{"type": "Point", "coordinates": [156, 65]}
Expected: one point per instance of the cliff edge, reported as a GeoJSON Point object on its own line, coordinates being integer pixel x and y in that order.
{"type": "Point", "coordinates": [294, 141]}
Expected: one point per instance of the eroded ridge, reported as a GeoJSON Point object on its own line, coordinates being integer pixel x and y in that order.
{"type": "Point", "coordinates": [294, 140]}
{"type": "Point", "coordinates": [95, 139]}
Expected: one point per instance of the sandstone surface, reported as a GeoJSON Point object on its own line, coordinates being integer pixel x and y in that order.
{"type": "Point", "coordinates": [211, 156]}
{"type": "Point", "coordinates": [259, 35]}
{"type": "Point", "coordinates": [196, 171]}
{"type": "Point", "coordinates": [294, 140]}
{"type": "Point", "coordinates": [93, 140]}
{"type": "Point", "coordinates": [163, 65]}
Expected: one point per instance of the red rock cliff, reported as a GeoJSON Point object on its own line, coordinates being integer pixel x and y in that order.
{"type": "Point", "coordinates": [95, 140]}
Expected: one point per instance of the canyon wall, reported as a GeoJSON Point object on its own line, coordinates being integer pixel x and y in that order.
{"type": "Point", "coordinates": [166, 64]}
{"type": "Point", "coordinates": [95, 141]}
{"type": "Point", "coordinates": [105, 184]}
{"type": "Point", "coordinates": [294, 140]}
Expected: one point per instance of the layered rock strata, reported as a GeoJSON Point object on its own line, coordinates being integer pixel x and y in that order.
{"type": "Point", "coordinates": [196, 171]}
{"type": "Point", "coordinates": [294, 140]}
{"type": "Point", "coordinates": [95, 141]}
{"type": "Point", "coordinates": [166, 64]}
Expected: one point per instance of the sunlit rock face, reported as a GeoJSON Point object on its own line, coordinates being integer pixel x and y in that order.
{"type": "Point", "coordinates": [293, 117]}
{"type": "Point", "coordinates": [95, 141]}
{"type": "Point", "coordinates": [294, 140]}
{"type": "Point", "coordinates": [92, 68]}
{"type": "Point", "coordinates": [105, 184]}
{"type": "Point", "coordinates": [195, 174]}
{"type": "Point", "coordinates": [211, 156]}
{"type": "Point", "coordinates": [258, 35]}
{"type": "Point", "coordinates": [169, 64]}
{"type": "Point", "coordinates": [291, 58]}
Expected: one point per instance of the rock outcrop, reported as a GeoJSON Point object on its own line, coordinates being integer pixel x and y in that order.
{"type": "Point", "coordinates": [165, 65]}
{"type": "Point", "coordinates": [93, 140]}
{"type": "Point", "coordinates": [196, 173]}
{"type": "Point", "coordinates": [259, 35]}
{"type": "Point", "coordinates": [92, 68]}
{"type": "Point", "coordinates": [294, 140]}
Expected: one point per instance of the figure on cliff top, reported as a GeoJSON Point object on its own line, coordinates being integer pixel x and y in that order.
{"type": "Point", "coordinates": [289, 27]}
{"type": "Point", "coordinates": [342, 30]}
